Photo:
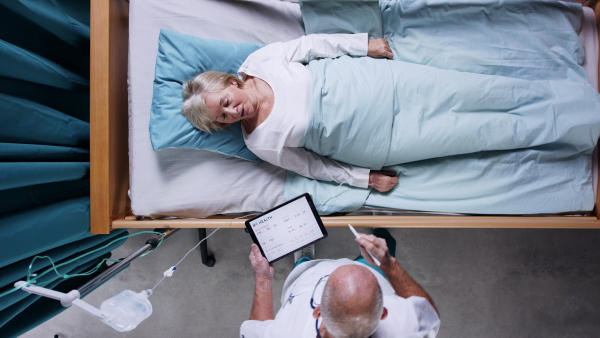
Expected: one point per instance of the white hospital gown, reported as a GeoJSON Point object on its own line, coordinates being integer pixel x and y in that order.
{"type": "Point", "coordinates": [276, 140]}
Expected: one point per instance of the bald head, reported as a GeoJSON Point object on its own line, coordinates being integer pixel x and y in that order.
{"type": "Point", "coordinates": [352, 303]}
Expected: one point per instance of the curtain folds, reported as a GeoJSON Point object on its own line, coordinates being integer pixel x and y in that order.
{"type": "Point", "coordinates": [44, 155]}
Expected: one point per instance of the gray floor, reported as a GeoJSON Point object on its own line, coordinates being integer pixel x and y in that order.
{"type": "Point", "coordinates": [486, 283]}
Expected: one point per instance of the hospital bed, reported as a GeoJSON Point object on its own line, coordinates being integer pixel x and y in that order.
{"type": "Point", "coordinates": [134, 186]}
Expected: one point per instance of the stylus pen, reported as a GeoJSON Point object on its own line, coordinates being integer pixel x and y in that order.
{"type": "Point", "coordinates": [369, 252]}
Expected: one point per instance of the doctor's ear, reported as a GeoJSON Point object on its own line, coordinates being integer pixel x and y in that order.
{"type": "Point", "coordinates": [384, 314]}
{"type": "Point", "coordinates": [317, 312]}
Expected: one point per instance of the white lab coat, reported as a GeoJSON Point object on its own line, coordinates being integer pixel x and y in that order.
{"type": "Point", "coordinates": [407, 317]}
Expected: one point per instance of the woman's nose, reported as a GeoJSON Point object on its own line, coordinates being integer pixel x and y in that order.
{"type": "Point", "coordinates": [230, 110]}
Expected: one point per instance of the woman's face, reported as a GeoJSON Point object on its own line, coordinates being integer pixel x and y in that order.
{"type": "Point", "coordinates": [230, 105]}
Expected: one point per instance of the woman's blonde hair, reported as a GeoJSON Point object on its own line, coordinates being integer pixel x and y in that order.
{"type": "Point", "coordinates": [194, 104]}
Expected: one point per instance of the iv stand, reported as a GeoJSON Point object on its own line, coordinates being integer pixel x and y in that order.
{"type": "Point", "coordinates": [73, 297]}
{"type": "Point", "coordinates": [116, 268]}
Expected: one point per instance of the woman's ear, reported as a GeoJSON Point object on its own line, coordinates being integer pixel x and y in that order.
{"type": "Point", "coordinates": [234, 83]}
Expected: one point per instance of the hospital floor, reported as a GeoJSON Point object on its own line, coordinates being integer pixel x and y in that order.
{"type": "Point", "coordinates": [485, 282]}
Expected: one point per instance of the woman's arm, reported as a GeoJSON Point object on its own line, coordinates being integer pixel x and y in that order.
{"type": "Point", "coordinates": [317, 46]}
{"type": "Point", "coordinates": [309, 164]}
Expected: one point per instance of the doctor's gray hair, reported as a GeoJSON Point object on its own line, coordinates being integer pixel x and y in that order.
{"type": "Point", "coordinates": [194, 105]}
{"type": "Point", "coordinates": [342, 322]}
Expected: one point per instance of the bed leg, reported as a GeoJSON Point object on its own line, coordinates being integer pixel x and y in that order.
{"type": "Point", "coordinates": [208, 260]}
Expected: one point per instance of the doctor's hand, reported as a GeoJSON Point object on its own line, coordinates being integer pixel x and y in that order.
{"type": "Point", "coordinates": [262, 268]}
{"type": "Point", "coordinates": [382, 181]}
{"type": "Point", "coordinates": [380, 48]}
{"type": "Point", "coordinates": [376, 246]}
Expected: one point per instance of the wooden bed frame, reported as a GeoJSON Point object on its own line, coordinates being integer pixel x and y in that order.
{"type": "Point", "coordinates": [110, 205]}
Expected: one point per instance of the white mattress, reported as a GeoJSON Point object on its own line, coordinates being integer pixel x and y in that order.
{"type": "Point", "coordinates": [196, 183]}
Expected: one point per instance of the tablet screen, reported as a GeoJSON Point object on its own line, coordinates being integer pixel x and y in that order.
{"type": "Point", "coordinates": [287, 228]}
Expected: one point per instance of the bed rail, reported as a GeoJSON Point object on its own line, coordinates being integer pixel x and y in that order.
{"type": "Point", "coordinates": [109, 168]}
{"type": "Point", "coordinates": [594, 4]}
{"type": "Point", "coordinates": [550, 222]}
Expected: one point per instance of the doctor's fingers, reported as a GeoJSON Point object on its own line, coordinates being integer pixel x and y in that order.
{"type": "Point", "coordinates": [260, 265]}
{"type": "Point", "coordinates": [254, 251]}
{"type": "Point", "coordinates": [367, 256]}
{"type": "Point", "coordinates": [376, 245]}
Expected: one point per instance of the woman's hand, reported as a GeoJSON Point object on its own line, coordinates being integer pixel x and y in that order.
{"type": "Point", "coordinates": [380, 48]}
{"type": "Point", "coordinates": [382, 181]}
{"type": "Point", "coordinates": [262, 268]}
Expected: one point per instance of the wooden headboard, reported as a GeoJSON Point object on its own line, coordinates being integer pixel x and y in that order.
{"type": "Point", "coordinates": [110, 205]}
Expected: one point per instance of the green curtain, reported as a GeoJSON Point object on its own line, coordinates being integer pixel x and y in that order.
{"type": "Point", "coordinates": [44, 154]}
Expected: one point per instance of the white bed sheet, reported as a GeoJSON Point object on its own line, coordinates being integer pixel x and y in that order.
{"type": "Point", "coordinates": [196, 183]}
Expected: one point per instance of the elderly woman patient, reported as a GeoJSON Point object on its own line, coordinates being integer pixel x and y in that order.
{"type": "Point", "coordinates": [271, 100]}
{"type": "Point", "coordinates": [312, 105]}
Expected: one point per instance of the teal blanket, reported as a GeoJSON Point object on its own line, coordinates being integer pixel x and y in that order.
{"type": "Point", "coordinates": [484, 109]}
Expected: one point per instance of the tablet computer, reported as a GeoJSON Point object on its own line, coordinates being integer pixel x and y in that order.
{"type": "Point", "coordinates": [286, 228]}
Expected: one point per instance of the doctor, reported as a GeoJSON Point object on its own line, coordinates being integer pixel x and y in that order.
{"type": "Point", "coordinates": [342, 298]}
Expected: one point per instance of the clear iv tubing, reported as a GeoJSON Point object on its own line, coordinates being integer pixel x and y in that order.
{"type": "Point", "coordinates": [192, 249]}
{"type": "Point", "coordinates": [65, 276]}
{"type": "Point", "coordinates": [54, 267]}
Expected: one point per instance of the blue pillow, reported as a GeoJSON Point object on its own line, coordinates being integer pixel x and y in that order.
{"type": "Point", "coordinates": [180, 58]}
{"type": "Point", "coordinates": [342, 16]}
